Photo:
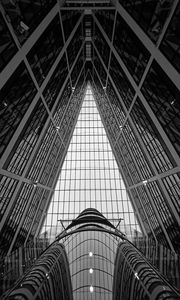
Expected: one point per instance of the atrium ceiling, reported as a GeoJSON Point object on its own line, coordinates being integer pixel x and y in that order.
{"type": "Point", "coordinates": [129, 54]}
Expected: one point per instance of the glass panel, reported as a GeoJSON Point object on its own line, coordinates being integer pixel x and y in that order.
{"type": "Point", "coordinates": [142, 212]}
{"type": "Point", "coordinates": [16, 96]}
{"type": "Point", "coordinates": [7, 188]}
{"type": "Point", "coordinates": [38, 201]}
{"type": "Point", "coordinates": [62, 104]}
{"type": "Point", "coordinates": [121, 81]}
{"type": "Point", "coordinates": [163, 98]}
{"type": "Point", "coordinates": [74, 46]}
{"type": "Point", "coordinates": [130, 49]}
{"type": "Point", "coordinates": [170, 45]}
{"type": "Point", "coordinates": [101, 45]}
{"type": "Point", "coordinates": [55, 154]}
{"type": "Point", "coordinates": [137, 152]}
{"type": "Point", "coordinates": [42, 153]}
{"type": "Point", "coordinates": [99, 68]}
{"type": "Point", "coordinates": [25, 15]}
{"type": "Point", "coordinates": [106, 19]}
{"type": "Point", "coordinates": [90, 177]}
{"type": "Point", "coordinates": [151, 138]}
{"type": "Point", "coordinates": [7, 46]}
{"type": "Point", "coordinates": [45, 51]}
{"type": "Point", "coordinates": [166, 215]}
{"type": "Point", "coordinates": [172, 184]}
{"type": "Point", "coordinates": [77, 68]}
{"type": "Point", "coordinates": [116, 103]}
{"type": "Point", "coordinates": [55, 83]}
{"type": "Point", "coordinates": [26, 142]}
{"type": "Point", "coordinates": [69, 20]}
{"type": "Point", "coordinates": [15, 215]}
{"type": "Point", "coordinates": [150, 15]}
{"type": "Point", "coordinates": [129, 165]}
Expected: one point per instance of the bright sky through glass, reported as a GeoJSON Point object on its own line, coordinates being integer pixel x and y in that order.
{"type": "Point", "coordinates": [89, 177]}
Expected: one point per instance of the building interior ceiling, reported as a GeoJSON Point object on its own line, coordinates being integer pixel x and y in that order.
{"type": "Point", "coordinates": [90, 177]}
{"type": "Point", "coordinates": [130, 57]}
{"type": "Point", "coordinates": [98, 74]}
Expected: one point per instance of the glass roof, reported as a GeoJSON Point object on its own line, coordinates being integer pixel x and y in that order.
{"type": "Point", "coordinates": [89, 178]}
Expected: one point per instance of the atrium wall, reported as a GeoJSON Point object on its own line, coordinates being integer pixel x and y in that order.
{"type": "Point", "coordinates": [131, 58]}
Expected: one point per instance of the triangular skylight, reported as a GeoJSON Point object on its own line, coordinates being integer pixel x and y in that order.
{"type": "Point", "coordinates": [89, 177]}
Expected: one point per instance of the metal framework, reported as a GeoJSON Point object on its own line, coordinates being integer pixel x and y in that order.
{"type": "Point", "coordinates": [130, 55]}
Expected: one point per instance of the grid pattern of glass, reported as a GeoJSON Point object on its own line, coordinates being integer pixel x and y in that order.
{"type": "Point", "coordinates": [152, 140]}
{"type": "Point", "coordinates": [90, 177]}
{"type": "Point", "coordinates": [16, 97]}
{"type": "Point", "coordinates": [7, 187]}
{"type": "Point", "coordinates": [130, 49]}
{"type": "Point", "coordinates": [101, 45]}
{"type": "Point", "coordinates": [27, 141]}
{"type": "Point", "coordinates": [15, 215]}
{"type": "Point", "coordinates": [121, 81]}
{"type": "Point", "coordinates": [163, 98]}
{"type": "Point", "coordinates": [74, 46]}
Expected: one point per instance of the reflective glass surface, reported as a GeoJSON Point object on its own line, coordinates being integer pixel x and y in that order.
{"type": "Point", "coordinates": [150, 15]}
{"type": "Point", "coordinates": [25, 15]}
{"type": "Point", "coordinates": [130, 49]}
{"type": "Point", "coordinates": [163, 98]}
{"type": "Point", "coordinates": [7, 46]}
{"type": "Point", "coordinates": [16, 97]}
{"type": "Point", "coordinates": [171, 43]}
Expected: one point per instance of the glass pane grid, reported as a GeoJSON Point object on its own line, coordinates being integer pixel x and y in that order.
{"type": "Point", "coordinates": [90, 177]}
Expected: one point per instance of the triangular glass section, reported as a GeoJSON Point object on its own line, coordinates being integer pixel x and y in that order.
{"type": "Point", "coordinates": [89, 178]}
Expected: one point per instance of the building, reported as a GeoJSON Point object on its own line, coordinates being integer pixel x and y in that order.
{"type": "Point", "coordinates": [128, 52]}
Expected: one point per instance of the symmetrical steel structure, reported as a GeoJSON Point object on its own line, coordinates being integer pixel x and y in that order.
{"type": "Point", "coordinates": [89, 177]}
{"type": "Point", "coordinates": [104, 264]}
{"type": "Point", "coordinates": [129, 52]}
{"type": "Point", "coordinates": [48, 279]}
{"type": "Point", "coordinates": [134, 278]}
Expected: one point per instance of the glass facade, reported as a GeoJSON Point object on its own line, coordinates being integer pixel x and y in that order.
{"type": "Point", "coordinates": [8, 47]}
{"type": "Point", "coordinates": [170, 45]}
{"type": "Point", "coordinates": [24, 16]}
{"type": "Point", "coordinates": [150, 15]}
{"type": "Point", "coordinates": [130, 49]}
{"type": "Point", "coordinates": [124, 161]}
{"type": "Point", "coordinates": [45, 51]}
{"type": "Point", "coordinates": [89, 177]}
{"type": "Point", "coordinates": [123, 85]}
{"type": "Point", "coordinates": [16, 97]}
{"type": "Point", "coordinates": [162, 97]}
